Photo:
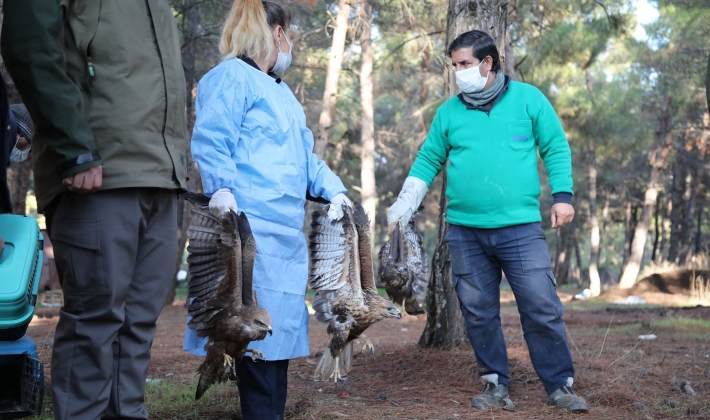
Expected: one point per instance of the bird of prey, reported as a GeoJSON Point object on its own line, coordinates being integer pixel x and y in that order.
{"type": "Point", "coordinates": [403, 267]}
{"type": "Point", "coordinates": [223, 304]}
{"type": "Point", "coordinates": [341, 270]}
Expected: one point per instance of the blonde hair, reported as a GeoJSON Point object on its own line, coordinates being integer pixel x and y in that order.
{"type": "Point", "coordinates": [247, 31]}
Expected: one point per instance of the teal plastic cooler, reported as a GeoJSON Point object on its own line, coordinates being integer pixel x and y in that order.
{"type": "Point", "coordinates": [20, 270]}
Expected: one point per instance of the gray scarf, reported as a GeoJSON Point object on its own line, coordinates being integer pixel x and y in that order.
{"type": "Point", "coordinates": [480, 99]}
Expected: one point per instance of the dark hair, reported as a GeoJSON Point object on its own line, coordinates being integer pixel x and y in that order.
{"type": "Point", "coordinates": [277, 15]}
{"type": "Point", "coordinates": [480, 42]}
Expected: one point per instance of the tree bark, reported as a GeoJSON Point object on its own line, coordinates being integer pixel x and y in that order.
{"type": "Point", "coordinates": [510, 63]}
{"type": "Point", "coordinates": [656, 160]}
{"type": "Point", "coordinates": [686, 232]}
{"type": "Point", "coordinates": [604, 224]}
{"type": "Point", "coordinates": [595, 284]}
{"type": "Point", "coordinates": [563, 254]}
{"type": "Point", "coordinates": [629, 225]}
{"type": "Point", "coordinates": [579, 272]}
{"type": "Point", "coordinates": [657, 227]}
{"type": "Point", "coordinates": [335, 61]}
{"type": "Point", "coordinates": [445, 327]}
{"type": "Point", "coordinates": [367, 132]}
{"type": "Point", "coordinates": [699, 233]}
{"type": "Point", "coordinates": [665, 228]}
{"type": "Point", "coordinates": [18, 180]}
{"type": "Point", "coordinates": [191, 25]}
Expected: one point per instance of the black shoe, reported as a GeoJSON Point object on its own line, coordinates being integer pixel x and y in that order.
{"type": "Point", "coordinates": [566, 399]}
{"type": "Point", "coordinates": [490, 397]}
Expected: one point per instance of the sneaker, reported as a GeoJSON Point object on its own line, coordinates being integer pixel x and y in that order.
{"type": "Point", "coordinates": [566, 399]}
{"type": "Point", "coordinates": [490, 397]}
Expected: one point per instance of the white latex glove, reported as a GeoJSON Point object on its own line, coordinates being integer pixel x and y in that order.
{"type": "Point", "coordinates": [222, 201]}
{"type": "Point", "coordinates": [335, 210]}
{"type": "Point", "coordinates": [409, 199]}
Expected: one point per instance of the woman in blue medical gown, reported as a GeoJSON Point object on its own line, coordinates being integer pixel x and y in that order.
{"type": "Point", "coordinates": [254, 152]}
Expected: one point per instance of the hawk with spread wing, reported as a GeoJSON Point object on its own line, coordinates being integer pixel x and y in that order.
{"type": "Point", "coordinates": [223, 304]}
{"type": "Point", "coordinates": [403, 266]}
{"type": "Point", "coordinates": [341, 270]}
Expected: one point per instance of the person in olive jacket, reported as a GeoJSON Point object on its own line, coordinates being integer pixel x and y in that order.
{"type": "Point", "coordinates": [104, 84]}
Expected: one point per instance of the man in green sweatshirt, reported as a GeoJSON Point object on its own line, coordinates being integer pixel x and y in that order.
{"type": "Point", "coordinates": [491, 134]}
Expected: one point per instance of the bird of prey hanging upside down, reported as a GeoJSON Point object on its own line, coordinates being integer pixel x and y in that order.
{"type": "Point", "coordinates": [403, 266]}
{"type": "Point", "coordinates": [341, 270]}
{"type": "Point", "coordinates": [223, 304]}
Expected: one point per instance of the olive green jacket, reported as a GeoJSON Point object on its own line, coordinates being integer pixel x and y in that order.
{"type": "Point", "coordinates": [104, 84]}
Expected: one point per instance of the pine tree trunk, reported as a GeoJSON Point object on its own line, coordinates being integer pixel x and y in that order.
{"type": "Point", "coordinates": [595, 284]}
{"type": "Point", "coordinates": [665, 228]}
{"type": "Point", "coordinates": [579, 272]}
{"type": "Point", "coordinates": [656, 161]}
{"type": "Point", "coordinates": [699, 233]}
{"type": "Point", "coordinates": [563, 255]}
{"type": "Point", "coordinates": [629, 224]}
{"type": "Point", "coordinates": [686, 233]}
{"type": "Point", "coordinates": [676, 209]}
{"type": "Point", "coordinates": [445, 327]}
{"type": "Point", "coordinates": [191, 25]}
{"type": "Point", "coordinates": [330, 92]}
{"type": "Point", "coordinates": [18, 180]}
{"type": "Point", "coordinates": [657, 221]}
{"type": "Point", "coordinates": [602, 227]}
{"type": "Point", "coordinates": [367, 133]}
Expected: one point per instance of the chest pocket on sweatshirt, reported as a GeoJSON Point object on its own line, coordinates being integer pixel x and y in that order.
{"type": "Point", "coordinates": [520, 135]}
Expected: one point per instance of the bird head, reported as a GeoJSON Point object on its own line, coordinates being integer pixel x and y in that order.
{"type": "Point", "coordinates": [259, 320]}
{"type": "Point", "coordinates": [393, 312]}
{"type": "Point", "coordinates": [400, 268]}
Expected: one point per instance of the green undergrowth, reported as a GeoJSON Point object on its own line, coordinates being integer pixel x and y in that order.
{"type": "Point", "coordinates": [175, 399]}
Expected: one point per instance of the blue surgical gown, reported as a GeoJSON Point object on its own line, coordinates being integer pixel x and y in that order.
{"type": "Point", "coordinates": [250, 136]}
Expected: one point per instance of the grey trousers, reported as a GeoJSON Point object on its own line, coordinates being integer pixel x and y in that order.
{"type": "Point", "coordinates": [115, 252]}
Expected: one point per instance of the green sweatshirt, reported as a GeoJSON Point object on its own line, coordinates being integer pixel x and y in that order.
{"type": "Point", "coordinates": [492, 173]}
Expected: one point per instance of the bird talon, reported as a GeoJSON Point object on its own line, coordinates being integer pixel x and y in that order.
{"type": "Point", "coordinates": [336, 371]}
{"type": "Point", "coordinates": [256, 355]}
{"type": "Point", "coordinates": [367, 344]}
{"type": "Point", "coordinates": [228, 361]}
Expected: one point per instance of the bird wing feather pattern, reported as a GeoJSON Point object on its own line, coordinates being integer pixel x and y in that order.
{"type": "Point", "coordinates": [222, 300]}
{"type": "Point", "coordinates": [403, 266]}
{"type": "Point", "coordinates": [341, 271]}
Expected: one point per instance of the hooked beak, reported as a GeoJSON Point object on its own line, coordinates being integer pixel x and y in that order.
{"type": "Point", "coordinates": [270, 332]}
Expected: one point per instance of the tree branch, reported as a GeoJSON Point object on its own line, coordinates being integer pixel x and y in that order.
{"type": "Point", "coordinates": [404, 43]}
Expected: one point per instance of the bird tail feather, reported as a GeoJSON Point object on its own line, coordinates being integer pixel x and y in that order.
{"type": "Point", "coordinates": [326, 365]}
{"type": "Point", "coordinates": [346, 359]}
{"type": "Point", "coordinates": [206, 380]}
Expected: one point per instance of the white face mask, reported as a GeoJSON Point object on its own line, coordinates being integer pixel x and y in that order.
{"type": "Point", "coordinates": [17, 155]}
{"type": "Point", "coordinates": [471, 80]}
{"type": "Point", "coordinates": [284, 59]}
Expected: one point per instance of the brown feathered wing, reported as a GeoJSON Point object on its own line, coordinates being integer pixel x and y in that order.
{"type": "Point", "coordinates": [403, 266]}
{"type": "Point", "coordinates": [222, 302]}
{"type": "Point", "coordinates": [341, 271]}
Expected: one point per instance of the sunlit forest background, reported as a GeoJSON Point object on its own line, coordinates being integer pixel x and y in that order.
{"type": "Point", "coordinates": [627, 78]}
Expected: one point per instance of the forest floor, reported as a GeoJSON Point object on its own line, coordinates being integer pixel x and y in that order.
{"type": "Point", "coordinates": [621, 376]}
